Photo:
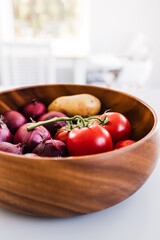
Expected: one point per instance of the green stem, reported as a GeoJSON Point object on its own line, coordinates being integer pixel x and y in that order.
{"type": "Point", "coordinates": [57, 119]}
{"type": "Point", "coordinates": [85, 121]}
{"type": "Point", "coordinates": [81, 120]}
{"type": "Point", "coordinates": [105, 121]}
{"type": "Point", "coordinates": [95, 118]}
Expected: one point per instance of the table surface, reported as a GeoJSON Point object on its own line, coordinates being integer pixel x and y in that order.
{"type": "Point", "coordinates": [135, 218]}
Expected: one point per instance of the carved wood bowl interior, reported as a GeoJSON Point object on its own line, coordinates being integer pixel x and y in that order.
{"type": "Point", "coordinates": [51, 187]}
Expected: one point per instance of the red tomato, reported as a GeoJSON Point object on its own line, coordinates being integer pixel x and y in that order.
{"type": "Point", "coordinates": [62, 135]}
{"type": "Point", "coordinates": [89, 140]}
{"type": "Point", "coordinates": [118, 126]}
{"type": "Point", "coordinates": [123, 143]}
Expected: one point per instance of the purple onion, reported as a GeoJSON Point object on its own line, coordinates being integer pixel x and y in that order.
{"type": "Point", "coordinates": [51, 148]}
{"type": "Point", "coordinates": [31, 138]}
{"type": "Point", "coordinates": [14, 120]}
{"type": "Point", "coordinates": [34, 110]}
{"type": "Point", "coordinates": [54, 126]}
{"type": "Point", "coordinates": [5, 134]}
{"type": "Point", "coordinates": [31, 155]}
{"type": "Point", "coordinates": [11, 148]}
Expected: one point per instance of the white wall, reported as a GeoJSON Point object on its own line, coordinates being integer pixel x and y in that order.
{"type": "Point", "coordinates": [114, 23]}
{"type": "Point", "coordinates": [6, 15]}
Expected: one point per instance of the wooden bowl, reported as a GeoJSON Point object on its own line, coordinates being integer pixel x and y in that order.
{"type": "Point", "coordinates": [51, 187]}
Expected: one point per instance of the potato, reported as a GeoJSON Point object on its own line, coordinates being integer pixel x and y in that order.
{"type": "Point", "coordinates": [80, 104]}
{"type": "Point", "coordinates": [97, 115]}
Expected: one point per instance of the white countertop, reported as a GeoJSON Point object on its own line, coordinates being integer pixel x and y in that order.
{"type": "Point", "coordinates": [136, 218]}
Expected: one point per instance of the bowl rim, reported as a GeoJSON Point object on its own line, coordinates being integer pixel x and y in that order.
{"type": "Point", "coordinates": [91, 156]}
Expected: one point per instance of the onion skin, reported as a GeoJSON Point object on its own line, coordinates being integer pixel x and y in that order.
{"type": "Point", "coordinates": [51, 148]}
{"type": "Point", "coordinates": [11, 148]}
{"type": "Point", "coordinates": [5, 134]}
{"type": "Point", "coordinates": [14, 120]}
{"type": "Point", "coordinates": [55, 126]}
{"type": "Point", "coordinates": [30, 139]}
{"type": "Point", "coordinates": [31, 155]}
{"type": "Point", "coordinates": [34, 110]}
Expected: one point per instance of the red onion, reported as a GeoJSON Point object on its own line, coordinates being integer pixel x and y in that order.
{"type": "Point", "coordinates": [31, 138]}
{"type": "Point", "coordinates": [11, 148]}
{"type": "Point", "coordinates": [5, 134]}
{"type": "Point", "coordinates": [34, 110]}
{"type": "Point", "coordinates": [14, 120]}
{"type": "Point", "coordinates": [31, 155]}
{"type": "Point", "coordinates": [51, 148]}
{"type": "Point", "coordinates": [54, 126]}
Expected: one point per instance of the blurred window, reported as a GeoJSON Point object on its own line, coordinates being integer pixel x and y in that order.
{"type": "Point", "coordinates": [46, 19]}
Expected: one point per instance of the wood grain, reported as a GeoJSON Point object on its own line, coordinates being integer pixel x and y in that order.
{"type": "Point", "coordinates": [79, 185]}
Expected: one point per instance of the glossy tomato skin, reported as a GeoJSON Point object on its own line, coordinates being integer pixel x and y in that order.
{"type": "Point", "coordinates": [123, 143]}
{"type": "Point", "coordinates": [89, 140]}
{"type": "Point", "coordinates": [62, 135]}
{"type": "Point", "coordinates": [118, 126]}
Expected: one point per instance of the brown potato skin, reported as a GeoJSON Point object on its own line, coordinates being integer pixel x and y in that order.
{"type": "Point", "coordinates": [80, 104]}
